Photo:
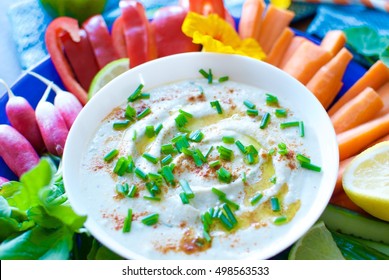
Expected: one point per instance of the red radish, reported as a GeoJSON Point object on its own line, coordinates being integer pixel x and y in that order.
{"type": "Point", "coordinates": [19, 155]}
{"type": "Point", "coordinates": [3, 180]}
{"type": "Point", "coordinates": [65, 102]}
{"type": "Point", "coordinates": [52, 125]}
{"type": "Point", "coordinates": [21, 116]}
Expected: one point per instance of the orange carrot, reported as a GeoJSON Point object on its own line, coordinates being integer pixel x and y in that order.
{"type": "Point", "coordinates": [251, 18]}
{"type": "Point", "coordinates": [360, 109]}
{"type": "Point", "coordinates": [333, 41]}
{"type": "Point", "coordinates": [341, 199]}
{"type": "Point", "coordinates": [327, 82]}
{"type": "Point", "coordinates": [382, 139]}
{"type": "Point", "coordinates": [293, 46]}
{"type": "Point", "coordinates": [306, 61]}
{"type": "Point", "coordinates": [384, 93]}
{"type": "Point", "coordinates": [375, 77]}
{"type": "Point", "coordinates": [356, 139]}
{"type": "Point", "coordinates": [342, 166]}
{"type": "Point", "coordinates": [280, 46]}
{"type": "Point", "coordinates": [274, 22]}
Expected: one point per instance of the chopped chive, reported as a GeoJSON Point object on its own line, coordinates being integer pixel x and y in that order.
{"type": "Point", "coordinates": [206, 236]}
{"type": "Point", "coordinates": [158, 129]}
{"type": "Point", "coordinates": [181, 142]}
{"type": "Point", "coordinates": [144, 113]}
{"type": "Point", "coordinates": [265, 120]}
{"type": "Point", "coordinates": [248, 104]}
{"type": "Point", "coordinates": [127, 222]}
{"type": "Point", "coordinates": [135, 95]}
{"type": "Point", "coordinates": [223, 79]}
{"type": "Point", "coordinates": [210, 76]}
{"type": "Point", "coordinates": [130, 112]}
{"type": "Point", "coordinates": [209, 151]}
{"type": "Point", "coordinates": [111, 155]}
{"type": "Point", "coordinates": [280, 220]}
{"type": "Point", "coordinates": [152, 198]}
{"type": "Point", "coordinates": [150, 158]}
{"type": "Point", "coordinates": [150, 132]}
{"type": "Point", "coordinates": [228, 139]}
{"type": "Point", "coordinates": [168, 174]}
{"type": "Point", "coordinates": [140, 174]}
{"type": "Point", "coordinates": [282, 149]}
{"type": "Point", "coordinates": [271, 99]}
{"type": "Point", "coordinates": [302, 158]}
{"type": "Point", "coordinates": [241, 147]}
{"type": "Point", "coordinates": [280, 113]}
{"type": "Point", "coordinates": [203, 73]}
{"type": "Point", "coordinates": [230, 203]}
{"type": "Point", "coordinates": [215, 213]}
{"type": "Point", "coordinates": [168, 149]}
{"type": "Point", "coordinates": [184, 198]}
{"type": "Point", "coordinates": [310, 166]}
{"type": "Point", "coordinates": [211, 211]}
{"type": "Point", "coordinates": [214, 164]}
{"type": "Point", "coordinates": [196, 136]}
{"type": "Point", "coordinates": [224, 175]}
{"type": "Point", "coordinates": [167, 160]}
{"type": "Point", "coordinates": [252, 112]}
{"type": "Point", "coordinates": [206, 220]}
{"type": "Point", "coordinates": [186, 188]}
{"type": "Point", "coordinates": [187, 151]}
{"type": "Point", "coordinates": [134, 136]}
{"type": "Point", "coordinates": [216, 104]}
{"type": "Point", "coordinates": [230, 214]}
{"type": "Point", "coordinates": [120, 166]}
{"type": "Point", "coordinates": [251, 154]}
{"type": "Point", "coordinates": [218, 192]}
{"type": "Point", "coordinates": [272, 151]}
{"type": "Point", "coordinates": [151, 219]}
{"type": "Point", "coordinates": [157, 179]}
{"type": "Point", "coordinates": [186, 114]}
{"type": "Point", "coordinates": [120, 125]}
{"type": "Point", "coordinates": [301, 129]}
{"type": "Point", "coordinates": [200, 155]}
{"type": "Point", "coordinates": [132, 191]}
{"type": "Point", "coordinates": [256, 198]}
{"type": "Point", "coordinates": [225, 222]}
{"type": "Point", "coordinates": [244, 178]}
{"type": "Point", "coordinates": [273, 179]}
{"type": "Point", "coordinates": [130, 164]}
{"type": "Point", "coordinates": [122, 188]}
{"type": "Point", "coordinates": [275, 204]}
{"type": "Point", "coordinates": [181, 120]}
{"type": "Point", "coordinates": [144, 96]}
{"type": "Point", "coordinates": [225, 153]}
{"type": "Point", "coordinates": [289, 124]}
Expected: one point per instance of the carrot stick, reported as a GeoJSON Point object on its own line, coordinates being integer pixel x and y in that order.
{"type": "Point", "coordinates": [375, 77]}
{"type": "Point", "coordinates": [341, 199]}
{"type": "Point", "coordinates": [293, 46]}
{"type": "Point", "coordinates": [251, 18]}
{"type": "Point", "coordinates": [306, 61]}
{"type": "Point", "coordinates": [361, 109]}
{"type": "Point", "coordinates": [274, 22]}
{"type": "Point", "coordinates": [356, 139]}
{"type": "Point", "coordinates": [342, 166]}
{"type": "Point", "coordinates": [280, 46]}
{"type": "Point", "coordinates": [384, 93]}
{"type": "Point", "coordinates": [327, 82]}
{"type": "Point", "coordinates": [333, 41]}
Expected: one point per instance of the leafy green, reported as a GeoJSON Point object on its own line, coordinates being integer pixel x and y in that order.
{"type": "Point", "coordinates": [368, 44]}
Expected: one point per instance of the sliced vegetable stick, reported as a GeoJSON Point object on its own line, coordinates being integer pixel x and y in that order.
{"type": "Point", "coordinates": [251, 18]}
{"type": "Point", "coordinates": [274, 22]}
{"type": "Point", "coordinates": [342, 166]}
{"type": "Point", "coordinates": [280, 46]}
{"type": "Point", "coordinates": [118, 38]}
{"type": "Point", "coordinates": [306, 61]}
{"type": "Point", "coordinates": [327, 82]}
{"type": "Point", "coordinates": [382, 139]}
{"type": "Point", "coordinates": [341, 199]}
{"type": "Point", "coordinates": [334, 41]}
{"type": "Point", "coordinates": [293, 46]}
{"type": "Point", "coordinates": [361, 109]}
{"type": "Point", "coordinates": [375, 77]}
{"type": "Point", "coordinates": [384, 93]}
{"type": "Point", "coordinates": [358, 138]}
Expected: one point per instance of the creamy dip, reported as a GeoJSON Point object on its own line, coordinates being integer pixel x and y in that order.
{"type": "Point", "coordinates": [251, 180]}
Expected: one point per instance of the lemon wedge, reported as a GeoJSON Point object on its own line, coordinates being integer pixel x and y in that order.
{"type": "Point", "coordinates": [366, 180]}
{"type": "Point", "coordinates": [108, 73]}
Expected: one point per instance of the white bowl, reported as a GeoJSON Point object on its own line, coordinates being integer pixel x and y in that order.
{"type": "Point", "coordinates": [185, 66]}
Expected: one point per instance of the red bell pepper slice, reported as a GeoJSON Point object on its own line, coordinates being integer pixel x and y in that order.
{"type": "Point", "coordinates": [100, 40]}
{"type": "Point", "coordinates": [81, 57]}
{"type": "Point", "coordinates": [118, 38]}
{"type": "Point", "coordinates": [139, 36]}
{"type": "Point", "coordinates": [169, 38]}
{"type": "Point", "coordinates": [206, 7]}
{"type": "Point", "coordinates": [56, 28]}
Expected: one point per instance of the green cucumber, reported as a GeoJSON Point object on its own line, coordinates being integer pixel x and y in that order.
{"type": "Point", "coordinates": [353, 249]}
{"type": "Point", "coordinates": [352, 223]}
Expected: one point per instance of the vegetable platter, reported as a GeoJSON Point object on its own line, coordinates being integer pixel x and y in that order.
{"type": "Point", "coordinates": [58, 68]}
